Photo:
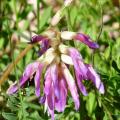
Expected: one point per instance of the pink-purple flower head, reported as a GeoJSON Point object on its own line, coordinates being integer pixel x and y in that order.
{"type": "Point", "coordinates": [55, 58]}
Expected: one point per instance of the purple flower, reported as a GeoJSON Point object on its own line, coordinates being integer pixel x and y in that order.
{"type": "Point", "coordinates": [57, 82]}
{"type": "Point", "coordinates": [55, 58]}
{"type": "Point", "coordinates": [44, 42]}
{"type": "Point", "coordinates": [31, 69]}
{"type": "Point", "coordinates": [44, 46]}
{"type": "Point", "coordinates": [86, 40]}
{"type": "Point", "coordinates": [38, 38]}
{"type": "Point", "coordinates": [84, 71]}
{"type": "Point", "coordinates": [66, 35]}
{"type": "Point", "coordinates": [55, 90]}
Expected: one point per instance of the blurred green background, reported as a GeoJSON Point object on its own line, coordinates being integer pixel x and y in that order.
{"type": "Point", "coordinates": [100, 19]}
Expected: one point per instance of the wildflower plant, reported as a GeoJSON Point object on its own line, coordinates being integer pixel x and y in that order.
{"type": "Point", "coordinates": [56, 59]}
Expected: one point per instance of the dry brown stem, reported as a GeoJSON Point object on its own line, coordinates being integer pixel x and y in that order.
{"type": "Point", "coordinates": [11, 66]}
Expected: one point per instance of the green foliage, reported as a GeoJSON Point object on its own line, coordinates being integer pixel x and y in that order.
{"type": "Point", "coordinates": [45, 17]}
{"type": "Point", "coordinates": [9, 116]}
{"type": "Point", "coordinates": [82, 16]}
{"type": "Point", "coordinates": [91, 103]}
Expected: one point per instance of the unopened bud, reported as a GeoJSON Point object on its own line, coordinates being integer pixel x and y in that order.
{"type": "Point", "coordinates": [67, 2]}
{"type": "Point", "coordinates": [55, 20]}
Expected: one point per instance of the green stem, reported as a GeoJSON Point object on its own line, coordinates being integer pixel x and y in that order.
{"type": "Point", "coordinates": [38, 16]}
{"type": "Point", "coordinates": [69, 25]}
{"type": "Point", "coordinates": [68, 20]}
{"type": "Point", "coordinates": [16, 14]}
{"type": "Point", "coordinates": [101, 27]}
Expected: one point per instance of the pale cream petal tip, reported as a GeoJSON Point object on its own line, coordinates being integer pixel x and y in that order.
{"type": "Point", "coordinates": [66, 35]}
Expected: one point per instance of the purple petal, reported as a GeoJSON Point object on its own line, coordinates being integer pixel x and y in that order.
{"type": "Point", "coordinates": [80, 84]}
{"type": "Point", "coordinates": [42, 99]}
{"type": "Point", "coordinates": [101, 88]}
{"type": "Point", "coordinates": [83, 69]}
{"type": "Point", "coordinates": [44, 46]}
{"type": "Point", "coordinates": [92, 75]}
{"type": "Point", "coordinates": [38, 38]}
{"type": "Point", "coordinates": [51, 113]}
{"type": "Point", "coordinates": [12, 89]}
{"type": "Point", "coordinates": [78, 62]}
{"type": "Point", "coordinates": [72, 86]}
{"type": "Point", "coordinates": [37, 80]}
{"type": "Point", "coordinates": [60, 105]}
{"type": "Point", "coordinates": [54, 76]}
{"type": "Point", "coordinates": [80, 69]}
{"type": "Point", "coordinates": [50, 98]}
{"type": "Point", "coordinates": [30, 69]}
{"type": "Point", "coordinates": [48, 82]}
{"type": "Point", "coordinates": [86, 40]}
{"type": "Point", "coordinates": [49, 89]}
{"type": "Point", "coordinates": [44, 43]}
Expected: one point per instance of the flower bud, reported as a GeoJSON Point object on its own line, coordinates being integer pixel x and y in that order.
{"type": "Point", "coordinates": [55, 20]}
{"type": "Point", "coordinates": [67, 2]}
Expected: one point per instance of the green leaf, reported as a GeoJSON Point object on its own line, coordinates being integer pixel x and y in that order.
{"type": "Point", "coordinates": [107, 53]}
{"type": "Point", "coordinates": [1, 43]}
{"type": "Point", "coordinates": [9, 116]}
{"type": "Point", "coordinates": [35, 115]}
{"type": "Point", "coordinates": [114, 65]}
{"type": "Point", "coordinates": [105, 117]}
{"type": "Point", "coordinates": [73, 15]}
{"type": "Point", "coordinates": [28, 57]}
{"type": "Point", "coordinates": [13, 103]}
{"type": "Point", "coordinates": [33, 106]}
{"type": "Point", "coordinates": [45, 17]}
{"type": "Point", "coordinates": [22, 15]}
{"type": "Point", "coordinates": [91, 103]}
{"type": "Point", "coordinates": [22, 113]}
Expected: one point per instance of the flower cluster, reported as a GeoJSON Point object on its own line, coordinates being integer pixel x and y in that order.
{"type": "Point", "coordinates": [56, 58]}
